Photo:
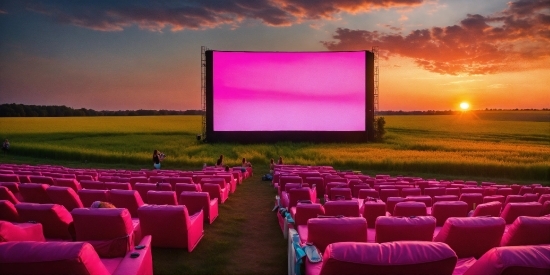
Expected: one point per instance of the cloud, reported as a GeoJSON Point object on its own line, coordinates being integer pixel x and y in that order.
{"type": "Point", "coordinates": [106, 15]}
{"type": "Point", "coordinates": [514, 39]}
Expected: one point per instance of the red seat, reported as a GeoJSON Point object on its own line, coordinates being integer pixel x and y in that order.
{"type": "Point", "coordinates": [453, 191]}
{"type": "Point", "coordinates": [515, 209]}
{"type": "Point", "coordinates": [372, 209]}
{"type": "Point", "coordinates": [88, 196]}
{"type": "Point", "coordinates": [118, 185]}
{"type": "Point", "coordinates": [410, 208]}
{"type": "Point", "coordinates": [471, 237]}
{"type": "Point", "coordinates": [472, 199]}
{"type": "Point", "coordinates": [162, 197]}
{"type": "Point", "coordinates": [385, 258]}
{"type": "Point", "coordinates": [427, 200]}
{"type": "Point", "coordinates": [129, 199]}
{"type": "Point", "coordinates": [142, 188]}
{"type": "Point", "coordinates": [10, 232]}
{"type": "Point", "coordinates": [305, 211]}
{"type": "Point", "coordinates": [513, 260]}
{"type": "Point", "coordinates": [92, 184]}
{"type": "Point", "coordinates": [8, 212]}
{"type": "Point", "coordinates": [491, 209]}
{"type": "Point", "coordinates": [65, 196]}
{"type": "Point", "coordinates": [323, 231]}
{"type": "Point", "coordinates": [174, 180]}
{"type": "Point", "coordinates": [200, 201]}
{"type": "Point", "coordinates": [34, 192]}
{"type": "Point", "coordinates": [192, 187]}
{"type": "Point", "coordinates": [366, 193]}
{"type": "Point", "coordinates": [55, 219]}
{"type": "Point", "coordinates": [72, 183]}
{"type": "Point", "coordinates": [42, 180]}
{"type": "Point", "coordinates": [108, 230]}
{"type": "Point", "coordinates": [171, 226]}
{"type": "Point", "coordinates": [514, 198]}
{"type": "Point", "coordinates": [298, 194]}
{"type": "Point", "coordinates": [391, 229]}
{"type": "Point", "coordinates": [391, 202]}
{"type": "Point", "coordinates": [434, 191]}
{"type": "Point", "coordinates": [499, 198]}
{"type": "Point", "coordinates": [216, 191]}
{"type": "Point", "coordinates": [349, 208]}
{"type": "Point", "coordinates": [6, 194]}
{"type": "Point", "coordinates": [386, 193]}
{"type": "Point", "coordinates": [410, 192]}
{"type": "Point", "coordinates": [527, 231]}
{"type": "Point", "coordinates": [445, 198]}
{"type": "Point", "coordinates": [442, 210]}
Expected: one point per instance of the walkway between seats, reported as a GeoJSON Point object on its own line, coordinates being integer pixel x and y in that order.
{"type": "Point", "coordinates": [244, 239]}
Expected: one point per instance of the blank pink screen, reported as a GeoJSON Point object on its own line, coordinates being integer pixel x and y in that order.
{"type": "Point", "coordinates": [274, 91]}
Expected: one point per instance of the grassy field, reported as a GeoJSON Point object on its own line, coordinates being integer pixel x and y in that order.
{"type": "Point", "coordinates": [513, 145]}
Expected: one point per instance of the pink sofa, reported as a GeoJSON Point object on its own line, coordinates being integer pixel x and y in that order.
{"type": "Point", "coordinates": [109, 230]}
{"type": "Point", "coordinates": [406, 257]}
{"type": "Point", "coordinates": [171, 226]}
{"type": "Point", "coordinates": [13, 232]}
{"type": "Point", "coordinates": [71, 258]}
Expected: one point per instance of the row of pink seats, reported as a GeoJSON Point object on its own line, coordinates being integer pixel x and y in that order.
{"type": "Point", "coordinates": [467, 238]}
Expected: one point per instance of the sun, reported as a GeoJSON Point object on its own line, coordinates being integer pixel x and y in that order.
{"type": "Point", "coordinates": [464, 106]}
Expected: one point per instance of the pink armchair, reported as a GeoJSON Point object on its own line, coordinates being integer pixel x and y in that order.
{"type": "Point", "coordinates": [391, 229]}
{"type": "Point", "coordinates": [528, 231]}
{"type": "Point", "coordinates": [349, 208]}
{"type": "Point", "coordinates": [34, 192]}
{"type": "Point", "coordinates": [6, 194]}
{"type": "Point", "coordinates": [56, 221]}
{"type": "Point", "coordinates": [323, 231]}
{"type": "Point", "coordinates": [171, 226]}
{"type": "Point", "coordinates": [8, 212]}
{"type": "Point", "coordinates": [88, 196]}
{"type": "Point", "coordinates": [197, 201]}
{"type": "Point", "coordinates": [78, 258]}
{"type": "Point", "coordinates": [515, 209]}
{"type": "Point", "coordinates": [129, 199]}
{"type": "Point", "coordinates": [513, 260]}
{"type": "Point", "coordinates": [10, 232]}
{"type": "Point", "coordinates": [162, 197]}
{"type": "Point", "coordinates": [216, 191]}
{"type": "Point", "coordinates": [65, 196]}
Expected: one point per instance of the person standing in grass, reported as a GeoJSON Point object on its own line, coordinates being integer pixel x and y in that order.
{"type": "Point", "coordinates": [6, 146]}
{"type": "Point", "coordinates": [157, 158]}
{"type": "Point", "coordinates": [219, 162]}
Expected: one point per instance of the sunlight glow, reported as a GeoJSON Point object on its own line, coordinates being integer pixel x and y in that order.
{"type": "Point", "coordinates": [464, 106]}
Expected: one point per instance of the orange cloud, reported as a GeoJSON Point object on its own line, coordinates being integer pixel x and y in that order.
{"type": "Point", "coordinates": [514, 39]}
{"type": "Point", "coordinates": [158, 15]}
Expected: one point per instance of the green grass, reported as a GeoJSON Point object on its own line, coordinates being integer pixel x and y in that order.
{"type": "Point", "coordinates": [508, 145]}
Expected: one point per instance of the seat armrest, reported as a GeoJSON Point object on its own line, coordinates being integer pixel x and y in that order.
{"type": "Point", "coordinates": [197, 217]}
{"type": "Point", "coordinates": [214, 201]}
{"type": "Point", "coordinates": [142, 265]}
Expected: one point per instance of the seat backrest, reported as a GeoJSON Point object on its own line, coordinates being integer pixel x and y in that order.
{"type": "Point", "coordinates": [410, 192]}
{"type": "Point", "coordinates": [391, 202]}
{"type": "Point", "coordinates": [162, 197]}
{"type": "Point", "coordinates": [34, 192]}
{"type": "Point", "coordinates": [427, 200]}
{"type": "Point", "coordinates": [324, 231]}
{"type": "Point", "coordinates": [445, 198]}
{"type": "Point", "coordinates": [442, 210]}
{"type": "Point", "coordinates": [514, 198]}
{"type": "Point", "coordinates": [372, 209]}
{"type": "Point", "coordinates": [348, 208]}
{"type": "Point", "coordinates": [545, 208]}
{"type": "Point", "coordinates": [8, 212]}
{"type": "Point", "coordinates": [174, 180]}
{"type": "Point", "coordinates": [306, 211]}
{"type": "Point", "coordinates": [92, 184]}
{"type": "Point", "coordinates": [9, 178]}
{"type": "Point", "coordinates": [143, 188]}
{"type": "Point", "coordinates": [6, 194]}
{"type": "Point", "coordinates": [118, 185]}
{"type": "Point", "coordinates": [194, 201]}
{"type": "Point", "coordinates": [50, 258]}
{"type": "Point", "coordinates": [410, 208]}
{"type": "Point", "coordinates": [406, 257]}
{"type": "Point", "coordinates": [88, 196]}
{"type": "Point", "coordinates": [42, 180]}
{"type": "Point", "coordinates": [56, 221]}
{"type": "Point", "coordinates": [365, 193]}
{"type": "Point", "coordinates": [72, 183]}
{"type": "Point", "coordinates": [472, 199]}
{"type": "Point", "coordinates": [283, 180]}
{"type": "Point", "coordinates": [65, 196]}
{"type": "Point", "coordinates": [434, 191]}
{"type": "Point", "coordinates": [386, 193]}
{"type": "Point", "coordinates": [10, 232]}
{"type": "Point", "coordinates": [109, 230]}
{"type": "Point", "coordinates": [515, 209]}
{"type": "Point", "coordinates": [192, 187]}
{"type": "Point", "coordinates": [506, 260]}
{"type": "Point", "coordinates": [129, 199]}
{"type": "Point", "coordinates": [488, 209]}
{"type": "Point", "coordinates": [471, 236]}
{"type": "Point", "coordinates": [168, 224]}
{"type": "Point", "coordinates": [298, 194]}
{"type": "Point", "coordinates": [499, 198]}
{"type": "Point", "coordinates": [337, 193]}
{"type": "Point", "coordinates": [391, 229]}
{"type": "Point", "coordinates": [527, 231]}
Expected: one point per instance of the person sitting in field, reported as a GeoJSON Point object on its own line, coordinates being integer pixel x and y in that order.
{"type": "Point", "coordinates": [227, 168]}
{"type": "Point", "coordinates": [102, 204]}
{"type": "Point", "coordinates": [280, 160]}
{"type": "Point", "coordinates": [157, 158]}
{"type": "Point", "coordinates": [246, 163]}
{"type": "Point", "coordinates": [219, 162]}
{"type": "Point", "coordinates": [6, 146]}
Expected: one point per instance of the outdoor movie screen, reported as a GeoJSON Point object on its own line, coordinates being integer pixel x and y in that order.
{"type": "Point", "coordinates": [289, 91]}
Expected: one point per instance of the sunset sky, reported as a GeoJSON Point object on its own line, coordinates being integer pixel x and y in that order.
{"type": "Point", "coordinates": [136, 54]}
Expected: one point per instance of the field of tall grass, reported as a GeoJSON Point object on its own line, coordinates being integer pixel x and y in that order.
{"type": "Point", "coordinates": [511, 145]}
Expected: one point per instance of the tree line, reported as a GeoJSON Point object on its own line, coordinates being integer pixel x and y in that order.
{"type": "Point", "coordinates": [21, 110]}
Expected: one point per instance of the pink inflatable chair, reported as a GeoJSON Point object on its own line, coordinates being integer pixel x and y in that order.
{"type": "Point", "coordinates": [527, 231]}
{"type": "Point", "coordinates": [16, 232]}
{"type": "Point", "coordinates": [171, 226]}
{"type": "Point", "coordinates": [162, 197]}
{"type": "Point", "coordinates": [533, 260]}
{"type": "Point", "coordinates": [200, 201]}
{"type": "Point", "coordinates": [513, 210]}
{"type": "Point", "coordinates": [8, 212]}
{"type": "Point", "coordinates": [65, 196]}
{"type": "Point", "coordinates": [88, 196]}
{"type": "Point", "coordinates": [391, 229]}
{"type": "Point", "coordinates": [56, 221]}
{"type": "Point", "coordinates": [34, 192]}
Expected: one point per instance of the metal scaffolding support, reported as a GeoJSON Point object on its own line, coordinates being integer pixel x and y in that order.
{"type": "Point", "coordinates": [203, 90]}
{"type": "Point", "coordinates": [376, 79]}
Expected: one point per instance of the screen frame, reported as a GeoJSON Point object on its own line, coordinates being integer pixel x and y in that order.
{"type": "Point", "coordinates": [293, 136]}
